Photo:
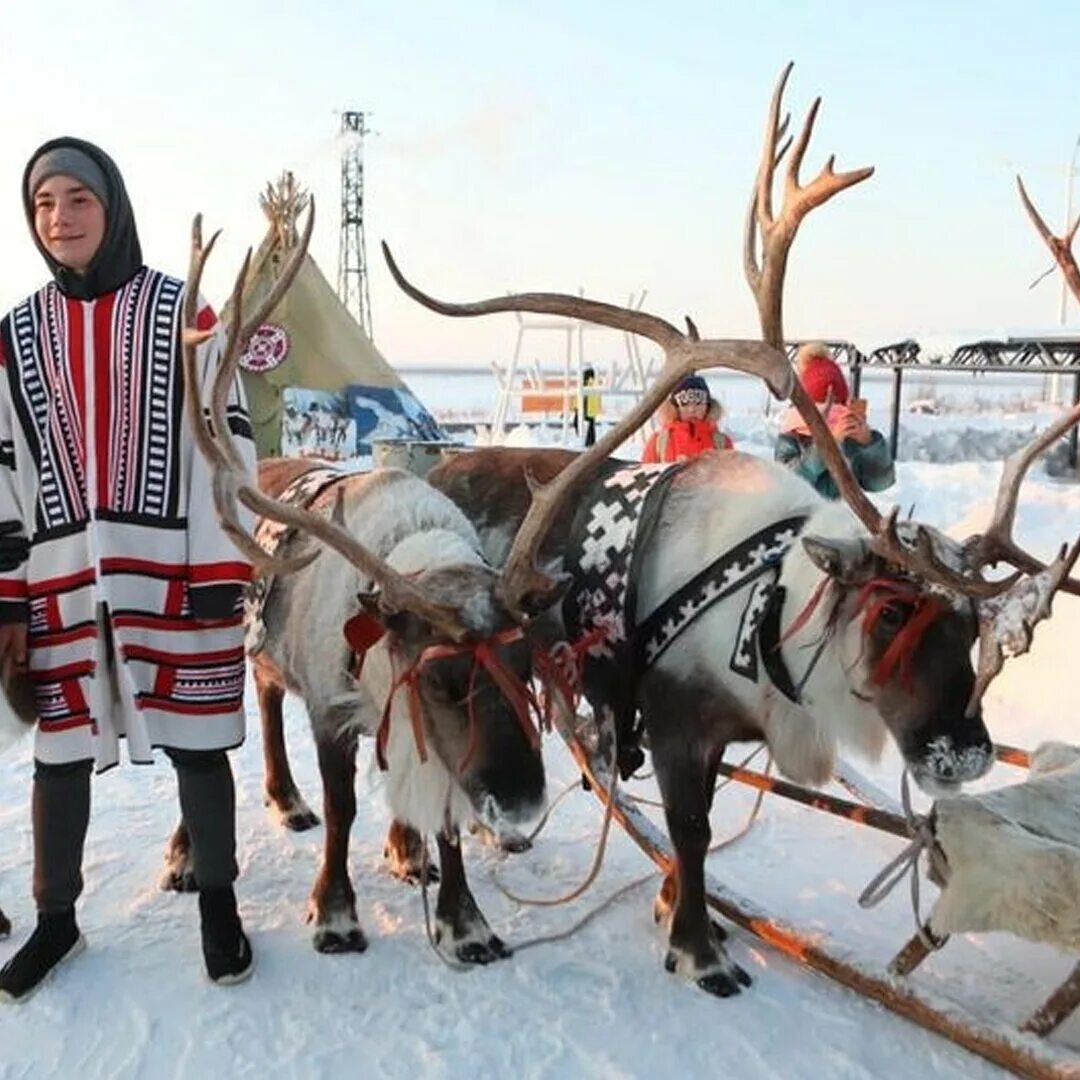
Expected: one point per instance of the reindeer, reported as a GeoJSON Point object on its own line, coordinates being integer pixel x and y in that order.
{"type": "Point", "coordinates": [435, 666]}
{"type": "Point", "coordinates": [865, 632]}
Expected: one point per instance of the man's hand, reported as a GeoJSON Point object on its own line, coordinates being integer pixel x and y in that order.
{"type": "Point", "coordinates": [12, 649]}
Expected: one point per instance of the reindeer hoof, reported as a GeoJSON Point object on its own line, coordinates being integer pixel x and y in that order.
{"type": "Point", "coordinates": [722, 977]}
{"type": "Point", "coordinates": [722, 984]}
{"type": "Point", "coordinates": [328, 940]}
{"type": "Point", "coordinates": [408, 869]}
{"type": "Point", "coordinates": [300, 820]}
{"type": "Point", "coordinates": [292, 813]}
{"type": "Point", "coordinates": [409, 872]}
{"type": "Point", "coordinates": [5, 925]}
{"type": "Point", "coordinates": [483, 952]}
{"type": "Point", "coordinates": [181, 880]}
{"type": "Point", "coordinates": [515, 843]}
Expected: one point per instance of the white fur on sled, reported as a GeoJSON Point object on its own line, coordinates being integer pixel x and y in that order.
{"type": "Point", "coordinates": [1014, 854]}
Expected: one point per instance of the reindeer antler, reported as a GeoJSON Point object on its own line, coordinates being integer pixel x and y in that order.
{"type": "Point", "coordinates": [1007, 622]}
{"type": "Point", "coordinates": [231, 482]}
{"type": "Point", "coordinates": [766, 279]}
{"type": "Point", "coordinates": [524, 583]}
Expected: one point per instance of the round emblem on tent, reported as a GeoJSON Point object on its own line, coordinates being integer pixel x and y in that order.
{"type": "Point", "coordinates": [269, 346]}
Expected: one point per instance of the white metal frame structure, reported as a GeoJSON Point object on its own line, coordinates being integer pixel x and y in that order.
{"type": "Point", "coordinates": [617, 377]}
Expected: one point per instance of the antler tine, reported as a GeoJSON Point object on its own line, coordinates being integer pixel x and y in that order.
{"type": "Point", "coordinates": [1060, 247]}
{"type": "Point", "coordinates": [923, 561]}
{"type": "Point", "coordinates": [574, 307]}
{"type": "Point", "coordinates": [997, 543]}
{"type": "Point", "coordinates": [239, 334]}
{"type": "Point", "coordinates": [191, 337]}
{"type": "Point", "coordinates": [766, 279]}
{"type": "Point", "coordinates": [750, 260]}
{"type": "Point", "coordinates": [774, 131]}
{"type": "Point", "coordinates": [778, 232]}
{"type": "Point", "coordinates": [284, 279]}
{"type": "Point", "coordinates": [230, 482]}
{"type": "Point", "coordinates": [228, 363]}
{"type": "Point", "coordinates": [219, 452]}
{"type": "Point", "coordinates": [1007, 622]}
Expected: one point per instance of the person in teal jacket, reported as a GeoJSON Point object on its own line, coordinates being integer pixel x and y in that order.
{"type": "Point", "coordinates": [866, 450]}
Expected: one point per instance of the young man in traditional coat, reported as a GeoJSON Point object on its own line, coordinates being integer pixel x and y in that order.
{"type": "Point", "coordinates": [126, 610]}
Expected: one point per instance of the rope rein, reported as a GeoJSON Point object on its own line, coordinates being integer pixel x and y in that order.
{"type": "Point", "coordinates": [907, 862]}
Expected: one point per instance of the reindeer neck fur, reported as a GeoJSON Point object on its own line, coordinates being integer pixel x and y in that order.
{"type": "Point", "coordinates": [829, 713]}
{"type": "Point", "coordinates": [718, 501]}
{"type": "Point", "coordinates": [421, 532]}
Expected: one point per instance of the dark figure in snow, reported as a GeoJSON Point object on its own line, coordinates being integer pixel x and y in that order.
{"type": "Point", "coordinates": [125, 610]}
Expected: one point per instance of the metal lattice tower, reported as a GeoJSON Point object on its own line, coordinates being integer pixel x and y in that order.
{"type": "Point", "coordinates": [352, 255]}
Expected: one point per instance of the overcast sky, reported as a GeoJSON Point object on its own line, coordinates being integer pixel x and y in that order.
{"type": "Point", "coordinates": [565, 145]}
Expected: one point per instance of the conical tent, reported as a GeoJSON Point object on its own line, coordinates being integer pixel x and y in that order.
{"type": "Point", "coordinates": [315, 383]}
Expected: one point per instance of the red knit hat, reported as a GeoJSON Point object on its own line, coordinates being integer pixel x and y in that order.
{"type": "Point", "coordinates": [819, 374]}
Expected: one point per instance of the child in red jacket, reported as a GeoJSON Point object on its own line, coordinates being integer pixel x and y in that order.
{"type": "Point", "coordinates": [689, 424]}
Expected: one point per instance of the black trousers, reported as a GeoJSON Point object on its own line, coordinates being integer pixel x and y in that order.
{"type": "Point", "coordinates": [61, 815]}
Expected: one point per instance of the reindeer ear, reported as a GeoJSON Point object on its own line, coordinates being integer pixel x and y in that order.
{"type": "Point", "coordinates": [851, 562]}
{"type": "Point", "coordinates": [536, 603]}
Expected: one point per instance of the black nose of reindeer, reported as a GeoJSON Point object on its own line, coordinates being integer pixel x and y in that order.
{"type": "Point", "coordinates": [509, 788]}
{"type": "Point", "coordinates": [950, 755]}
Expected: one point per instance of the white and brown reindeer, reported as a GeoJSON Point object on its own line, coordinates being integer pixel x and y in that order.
{"type": "Point", "coordinates": [436, 667]}
{"type": "Point", "coordinates": [762, 611]}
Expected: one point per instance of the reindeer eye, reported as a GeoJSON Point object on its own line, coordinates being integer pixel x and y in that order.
{"type": "Point", "coordinates": [893, 616]}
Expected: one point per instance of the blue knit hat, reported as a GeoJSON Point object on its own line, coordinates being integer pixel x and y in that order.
{"type": "Point", "coordinates": [693, 390]}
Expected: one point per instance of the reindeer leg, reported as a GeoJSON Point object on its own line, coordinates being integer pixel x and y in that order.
{"type": "Point", "coordinates": [694, 950]}
{"type": "Point", "coordinates": [179, 874]}
{"type": "Point", "coordinates": [282, 794]}
{"type": "Point", "coordinates": [333, 901]}
{"type": "Point", "coordinates": [404, 854]}
{"type": "Point", "coordinates": [5, 925]}
{"type": "Point", "coordinates": [460, 926]}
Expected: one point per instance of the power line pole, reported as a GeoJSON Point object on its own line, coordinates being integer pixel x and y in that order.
{"type": "Point", "coordinates": [352, 255]}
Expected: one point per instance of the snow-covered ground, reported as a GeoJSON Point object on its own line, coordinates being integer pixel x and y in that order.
{"type": "Point", "coordinates": [599, 1004]}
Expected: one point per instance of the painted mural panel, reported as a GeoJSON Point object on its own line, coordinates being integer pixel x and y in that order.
{"type": "Point", "coordinates": [316, 423]}
{"type": "Point", "coordinates": [381, 412]}
{"type": "Point", "coordinates": [337, 426]}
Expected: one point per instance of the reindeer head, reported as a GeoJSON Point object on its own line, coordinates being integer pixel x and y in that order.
{"type": "Point", "coordinates": [464, 696]}
{"type": "Point", "coordinates": [874, 650]}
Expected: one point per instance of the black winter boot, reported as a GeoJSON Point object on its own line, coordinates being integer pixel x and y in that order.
{"type": "Point", "coordinates": [226, 949]}
{"type": "Point", "coordinates": [55, 940]}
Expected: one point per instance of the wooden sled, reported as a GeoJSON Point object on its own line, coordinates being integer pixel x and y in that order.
{"type": "Point", "coordinates": [1020, 1051]}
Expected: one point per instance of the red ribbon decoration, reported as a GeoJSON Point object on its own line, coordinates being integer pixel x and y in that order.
{"type": "Point", "coordinates": [561, 666]}
{"type": "Point", "coordinates": [878, 594]}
